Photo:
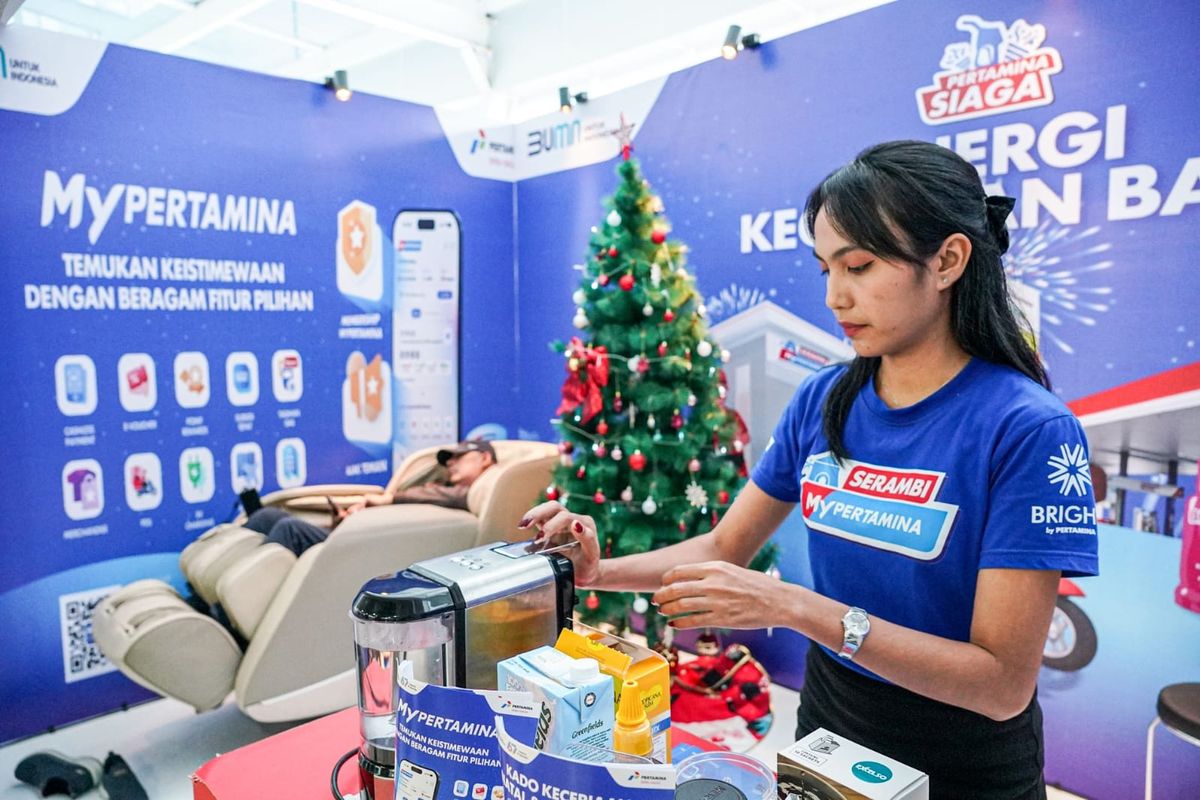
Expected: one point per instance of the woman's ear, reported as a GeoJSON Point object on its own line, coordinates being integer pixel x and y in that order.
{"type": "Point", "coordinates": [951, 260]}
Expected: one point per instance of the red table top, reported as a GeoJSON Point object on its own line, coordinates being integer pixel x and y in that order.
{"type": "Point", "coordinates": [296, 764]}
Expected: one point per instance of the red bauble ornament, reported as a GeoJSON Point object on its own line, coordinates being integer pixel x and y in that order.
{"type": "Point", "coordinates": [658, 237]}
{"type": "Point", "coordinates": [602, 427]}
{"type": "Point", "coordinates": [592, 602]}
{"type": "Point", "coordinates": [677, 421]}
{"type": "Point", "coordinates": [618, 403]}
{"type": "Point", "coordinates": [581, 472]}
{"type": "Point", "coordinates": [552, 493]}
{"type": "Point", "coordinates": [602, 280]}
{"type": "Point", "coordinates": [694, 465]}
{"type": "Point", "coordinates": [682, 526]}
{"type": "Point", "coordinates": [662, 348]}
{"type": "Point", "coordinates": [613, 252]}
{"type": "Point", "coordinates": [601, 450]}
{"type": "Point", "coordinates": [722, 497]}
{"type": "Point", "coordinates": [626, 282]}
{"type": "Point", "coordinates": [599, 497]}
{"type": "Point", "coordinates": [668, 315]}
{"type": "Point", "coordinates": [637, 461]}
{"type": "Point", "coordinates": [565, 447]}
{"type": "Point", "coordinates": [643, 365]}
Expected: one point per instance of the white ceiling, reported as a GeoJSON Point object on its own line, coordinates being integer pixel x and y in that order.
{"type": "Point", "coordinates": [506, 58]}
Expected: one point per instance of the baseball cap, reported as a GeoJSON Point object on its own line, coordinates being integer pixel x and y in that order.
{"type": "Point", "coordinates": [466, 446]}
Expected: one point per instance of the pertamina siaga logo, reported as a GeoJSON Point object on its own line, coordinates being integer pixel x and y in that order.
{"type": "Point", "coordinates": [1000, 68]}
{"type": "Point", "coordinates": [871, 772]}
{"type": "Point", "coordinates": [891, 508]}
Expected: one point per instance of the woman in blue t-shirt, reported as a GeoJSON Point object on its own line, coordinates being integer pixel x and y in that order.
{"type": "Point", "coordinates": [946, 489]}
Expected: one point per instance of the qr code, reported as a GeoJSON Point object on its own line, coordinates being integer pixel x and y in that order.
{"type": "Point", "coordinates": [81, 657]}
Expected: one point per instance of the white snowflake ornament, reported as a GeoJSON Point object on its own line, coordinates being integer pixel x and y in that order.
{"type": "Point", "coordinates": [696, 495]}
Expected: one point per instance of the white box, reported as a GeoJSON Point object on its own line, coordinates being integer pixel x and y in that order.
{"type": "Point", "coordinates": [824, 761]}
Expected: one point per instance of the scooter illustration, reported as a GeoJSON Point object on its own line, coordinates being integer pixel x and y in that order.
{"type": "Point", "coordinates": [1071, 643]}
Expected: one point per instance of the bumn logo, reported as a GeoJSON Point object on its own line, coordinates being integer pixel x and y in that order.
{"type": "Point", "coordinates": [1000, 68]}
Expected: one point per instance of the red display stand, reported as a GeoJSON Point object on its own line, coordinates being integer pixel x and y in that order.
{"type": "Point", "coordinates": [296, 764]}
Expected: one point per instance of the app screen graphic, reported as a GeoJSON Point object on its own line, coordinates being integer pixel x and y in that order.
{"type": "Point", "coordinates": [246, 467]}
{"type": "Point", "coordinates": [425, 330]}
{"type": "Point", "coordinates": [287, 376]}
{"type": "Point", "coordinates": [241, 378]}
{"type": "Point", "coordinates": [291, 469]}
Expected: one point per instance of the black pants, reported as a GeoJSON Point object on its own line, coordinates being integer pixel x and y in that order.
{"type": "Point", "coordinates": [966, 755]}
{"type": "Point", "coordinates": [282, 528]}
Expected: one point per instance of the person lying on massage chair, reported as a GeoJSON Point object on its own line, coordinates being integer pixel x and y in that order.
{"type": "Point", "coordinates": [463, 464]}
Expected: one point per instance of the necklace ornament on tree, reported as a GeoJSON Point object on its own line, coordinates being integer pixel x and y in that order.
{"type": "Point", "coordinates": [637, 461]}
{"type": "Point", "coordinates": [693, 465]}
{"type": "Point", "coordinates": [658, 236]}
{"type": "Point", "coordinates": [613, 218]}
{"type": "Point", "coordinates": [696, 495]}
{"type": "Point", "coordinates": [627, 494]}
{"type": "Point", "coordinates": [704, 349]}
{"type": "Point", "coordinates": [592, 602]}
{"type": "Point", "coordinates": [668, 315]}
{"type": "Point", "coordinates": [649, 506]}
{"type": "Point", "coordinates": [617, 455]}
{"type": "Point", "coordinates": [647, 310]}
{"type": "Point", "coordinates": [599, 497]}
{"type": "Point", "coordinates": [626, 282]}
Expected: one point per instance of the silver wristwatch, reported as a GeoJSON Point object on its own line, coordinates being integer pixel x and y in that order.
{"type": "Point", "coordinates": [855, 627]}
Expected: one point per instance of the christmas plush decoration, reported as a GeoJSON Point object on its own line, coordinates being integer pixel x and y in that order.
{"type": "Point", "coordinates": [723, 696]}
{"type": "Point", "coordinates": [653, 440]}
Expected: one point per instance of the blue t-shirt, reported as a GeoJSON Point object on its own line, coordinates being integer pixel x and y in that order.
{"type": "Point", "coordinates": [989, 471]}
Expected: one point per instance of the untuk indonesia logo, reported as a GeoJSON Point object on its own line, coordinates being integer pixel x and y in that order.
{"type": "Point", "coordinates": [1000, 68]}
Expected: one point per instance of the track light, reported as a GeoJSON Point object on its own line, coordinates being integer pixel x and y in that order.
{"type": "Point", "coordinates": [734, 41]}
{"type": "Point", "coordinates": [340, 84]}
{"type": "Point", "coordinates": [565, 97]}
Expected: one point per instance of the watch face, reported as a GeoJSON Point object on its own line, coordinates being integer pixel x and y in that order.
{"type": "Point", "coordinates": [856, 622]}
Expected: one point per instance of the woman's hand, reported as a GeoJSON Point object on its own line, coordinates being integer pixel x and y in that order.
{"type": "Point", "coordinates": [555, 525]}
{"type": "Point", "coordinates": [717, 594]}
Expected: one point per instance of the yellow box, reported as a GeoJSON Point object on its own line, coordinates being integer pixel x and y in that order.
{"type": "Point", "coordinates": [627, 661]}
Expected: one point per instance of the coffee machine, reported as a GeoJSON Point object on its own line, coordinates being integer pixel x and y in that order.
{"type": "Point", "coordinates": [449, 620]}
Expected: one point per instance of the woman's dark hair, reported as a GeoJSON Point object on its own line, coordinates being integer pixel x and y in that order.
{"type": "Point", "coordinates": [901, 200]}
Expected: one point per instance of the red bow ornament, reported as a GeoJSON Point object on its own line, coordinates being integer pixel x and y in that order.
{"type": "Point", "coordinates": [583, 384]}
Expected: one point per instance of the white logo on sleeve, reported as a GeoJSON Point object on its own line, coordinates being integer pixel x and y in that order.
{"type": "Point", "coordinates": [1069, 470]}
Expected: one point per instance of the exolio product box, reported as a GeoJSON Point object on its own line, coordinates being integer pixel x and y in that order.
{"type": "Point", "coordinates": [825, 765]}
{"type": "Point", "coordinates": [575, 698]}
{"type": "Point", "coordinates": [626, 661]}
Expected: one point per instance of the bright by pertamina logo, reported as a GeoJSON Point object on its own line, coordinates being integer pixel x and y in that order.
{"type": "Point", "coordinates": [999, 68]}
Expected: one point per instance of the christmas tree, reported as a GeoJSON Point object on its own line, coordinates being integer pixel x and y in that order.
{"type": "Point", "coordinates": [648, 447]}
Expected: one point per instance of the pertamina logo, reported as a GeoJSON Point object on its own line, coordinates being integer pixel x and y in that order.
{"type": "Point", "coordinates": [1000, 68]}
{"type": "Point", "coordinates": [890, 508]}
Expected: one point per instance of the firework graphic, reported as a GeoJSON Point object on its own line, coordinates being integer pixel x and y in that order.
{"type": "Point", "coordinates": [1056, 263]}
{"type": "Point", "coordinates": [731, 300]}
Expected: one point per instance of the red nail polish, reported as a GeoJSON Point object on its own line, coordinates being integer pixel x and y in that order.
{"type": "Point", "coordinates": [577, 526]}
{"type": "Point", "coordinates": [524, 523]}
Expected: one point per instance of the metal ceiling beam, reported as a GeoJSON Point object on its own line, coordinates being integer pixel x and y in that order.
{"type": "Point", "coordinates": [430, 21]}
{"type": "Point", "coordinates": [7, 9]}
{"type": "Point", "coordinates": [190, 26]}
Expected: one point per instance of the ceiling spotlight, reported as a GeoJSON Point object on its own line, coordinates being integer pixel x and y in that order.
{"type": "Point", "coordinates": [340, 85]}
{"type": "Point", "coordinates": [734, 41]}
{"type": "Point", "coordinates": [565, 97]}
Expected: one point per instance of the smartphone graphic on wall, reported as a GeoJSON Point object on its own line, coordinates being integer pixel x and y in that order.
{"type": "Point", "coordinates": [416, 783]}
{"type": "Point", "coordinates": [425, 330]}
